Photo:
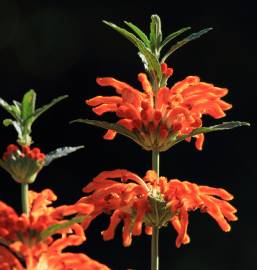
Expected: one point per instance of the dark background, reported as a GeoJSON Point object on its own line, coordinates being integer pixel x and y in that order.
{"type": "Point", "coordinates": [60, 47]}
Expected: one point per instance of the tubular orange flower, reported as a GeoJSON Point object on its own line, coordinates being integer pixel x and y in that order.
{"type": "Point", "coordinates": [28, 245]}
{"type": "Point", "coordinates": [137, 201]}
{"type": "Point", "coordinates": [156, 116]}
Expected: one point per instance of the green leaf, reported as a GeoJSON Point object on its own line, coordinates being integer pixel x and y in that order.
{"type": "Point", "coordinates": [60, 152]}
{"type": "Point", "coordinates": [28, 104]}
{"type": "Point", "coordinates": [174, 35]}
{"type": "Point", "coordinates": [155, 33]}
{"type": "Point", "coordinates": [106, 125]}
{"type": "Point", "coordinates": [29, 121]}
{"type": "Point", "coordinates": [41, 110]}
{"type": "Point", "coordinates": [220, 127]}
{"type": "Point", "coordinates": [7, 122]}
{"type": "Point", "coordinates": [9, 108]}
{"type": "Point", "coordinates": [139, 32]}
{"type": "Point", "coordinates": [185, 41]}
{"type": "Point", "coordinates": [57, 227]}
{"type": "Point", "coordinates": [153, 65]}
{"type": "Point", "coordinates": [16, 108]}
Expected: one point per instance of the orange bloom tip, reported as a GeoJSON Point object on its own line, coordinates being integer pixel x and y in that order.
{"type": "Point", "coordinates": [88, 101]}
{"type": "Point", "coordinates": [100, 81]}
{"type": "Point", "coordinates": [169, 72]}
{"type": "Point", "coordinates": [127, 241]}
{"type": "Point", "coordinates": [227, 228]}
{"type": "Point", "coordinates": [164, 67]}
{"type": "Point", "coordinates": [141, 76]}
{"type": "Point", "coordinates": [106, 81]}
{"type": "Point", "coordinates": [199, 141]}
{"type": "Point", "coordinates": [137, 230]}
{"type": "Point", "coordinates": [148, 230]}
{"type": "Point", "coordinates": [110, 134]}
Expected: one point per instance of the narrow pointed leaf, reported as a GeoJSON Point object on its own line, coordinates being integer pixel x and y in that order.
{"type": "Point", "coordinates": [152, 62]}
{"type": "Point", "coordinates": [9, 108]}
{"type": "Point", "coordinates": [29, 121]}
{"type": "Point", "coordinates": [41, 110]}
{"type": "Point", "coordinates": [57, 227]}
{"type": "Point", "coordinates": [28, 104]}
{"type": "Point", "coordinates": [155, 32]}
{"type": "Point", "coordinates": [220, 127]}
{"type": "Point", "coordinates": [16, 107]}
{"type": "Point", "coordinates": [60, 152]}
{"type": "Point", "coordinates": [139, 33]}
{"type": "Point", "coordinates": [185, 41]}
{"type": "Point", "coordinates": [174, 35]}
{"type": "Point", "coordinates": [106, 125]}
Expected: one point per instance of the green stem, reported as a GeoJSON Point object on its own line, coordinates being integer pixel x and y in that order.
{"type": "Point", "coordinates": [155, 234]}
{"type": "Point", "coordinates": [25, 198]}
{"type": "Point", "coordinates": [155, 249]}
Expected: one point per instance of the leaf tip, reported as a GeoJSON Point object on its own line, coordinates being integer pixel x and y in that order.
{"type": "Point", "coordinates": [75, 121]}
{"type": "Point", "coordinates": [153, 16]}
{"type": "Point", "coordinates": [32, 91]}
{"type": "Point", "coordinates": [108, 23]}
{"type": "Point", "coordinates": [79, 147]}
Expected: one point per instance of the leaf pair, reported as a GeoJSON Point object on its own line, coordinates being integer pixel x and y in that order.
{"type": "Point", "coordinates": [172, 140]}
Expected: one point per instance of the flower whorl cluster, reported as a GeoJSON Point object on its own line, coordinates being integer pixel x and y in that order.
{"type": "Point", "coordinates": [152, 202]}
{"type": "Point", "coordinates": [157, 116]}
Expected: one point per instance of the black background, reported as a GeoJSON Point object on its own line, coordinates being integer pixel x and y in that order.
{"type": "Point", "coordinates": [60, 47]}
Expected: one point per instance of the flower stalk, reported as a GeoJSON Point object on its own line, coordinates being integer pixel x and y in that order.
{"type": "Point", "coordinates": [155, 249]}
{"type": "Point", "coordinates": [25, 198]}
{"type": "Point", "coordinates": [155, 233]}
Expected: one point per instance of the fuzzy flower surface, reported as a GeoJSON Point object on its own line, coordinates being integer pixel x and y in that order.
{"type": "Point", "coordinates": [158, 116]}
{"type": "Point", "coordinates": [24, 245]}
{"type": "Point", "coordinates": [153, 202]}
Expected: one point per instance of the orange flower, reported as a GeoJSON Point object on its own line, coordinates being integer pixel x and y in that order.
{"type": "Point", "coordinates": [154, 202]}
{"type": "Point", "coordinates": [156, 117]}
{"type": "Point", "coordinates": [26, 246]}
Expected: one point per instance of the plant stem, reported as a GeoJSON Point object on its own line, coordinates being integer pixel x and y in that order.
{"type": "Point", "coordinates": [156, 162]}
{"type": "Point", "coordinates": [155, 249]}
{"type": "Point", "coordinates": [25, 198]}
{"type": "Point", "coordinates": [155, 234]}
